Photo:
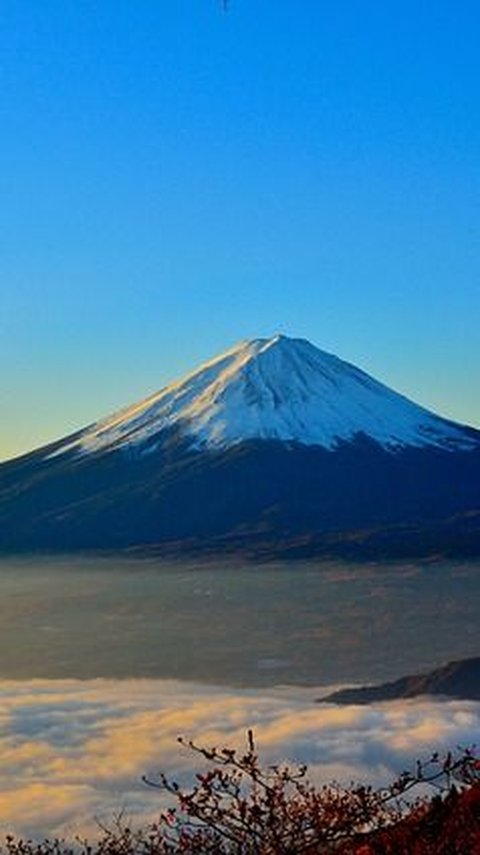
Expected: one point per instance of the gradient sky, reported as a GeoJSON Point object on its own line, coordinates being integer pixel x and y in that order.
{"type": "Point", "coordinates": [174, 179]}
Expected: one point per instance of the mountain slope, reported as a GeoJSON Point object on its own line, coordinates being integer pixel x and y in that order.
{"type": "Point", "coordinates": [460, 679]}
{"type": "Point", "coordinates": [274, 448]}
{"type": "Point", "coordinates": [279, 389]}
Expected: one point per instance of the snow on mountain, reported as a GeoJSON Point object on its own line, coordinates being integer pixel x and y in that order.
{"type": "Point", "coordinates": [275, 389]}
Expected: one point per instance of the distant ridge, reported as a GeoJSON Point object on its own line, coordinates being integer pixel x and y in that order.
{"type": "Point", "coordinates": [272, 449]}
{"type": "Point", "coordinates": [457, 679]}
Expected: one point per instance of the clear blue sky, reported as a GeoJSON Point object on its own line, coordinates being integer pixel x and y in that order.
{"type": "Point", "coordinates": [174, 179]}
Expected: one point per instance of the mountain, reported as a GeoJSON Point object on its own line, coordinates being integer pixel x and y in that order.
{"type": "Point", "coordinates": [274, 389]}
{"type": "Point", "coordinates": [274, 447]}
{"type": "Point", "coordinates": [460, 679]}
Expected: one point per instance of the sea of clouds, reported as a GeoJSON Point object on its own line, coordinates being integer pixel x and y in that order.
{"type": "Point", "coordinates": [72, 752]}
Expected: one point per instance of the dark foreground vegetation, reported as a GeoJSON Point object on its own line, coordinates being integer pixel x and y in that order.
{"type": "Point", "coordinates": [238, 807]}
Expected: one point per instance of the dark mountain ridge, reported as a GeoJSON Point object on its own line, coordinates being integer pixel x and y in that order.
{"type": "Point", "coordinates": [458, 679]}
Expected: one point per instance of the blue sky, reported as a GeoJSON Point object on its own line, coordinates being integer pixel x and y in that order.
{"type": "Point", "coordinates": [174, 179]}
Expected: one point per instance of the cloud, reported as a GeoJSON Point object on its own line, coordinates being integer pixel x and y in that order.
{"type": "Point", "coordinates": [74, 750]}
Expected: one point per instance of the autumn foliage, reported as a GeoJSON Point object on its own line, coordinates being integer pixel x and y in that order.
{"type": "Point", "coordinates": [239, 807]}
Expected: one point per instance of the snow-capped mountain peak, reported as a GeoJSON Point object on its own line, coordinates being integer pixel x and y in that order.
{"type": "Point", "coordinates": [275, 388]}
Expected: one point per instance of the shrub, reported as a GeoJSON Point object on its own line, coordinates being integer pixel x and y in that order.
{"type": "Point", "coordinates": [239, 807]}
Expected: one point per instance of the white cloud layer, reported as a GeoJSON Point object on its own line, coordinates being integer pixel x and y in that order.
{"type": "Point", "coordinates": [74, 751]}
